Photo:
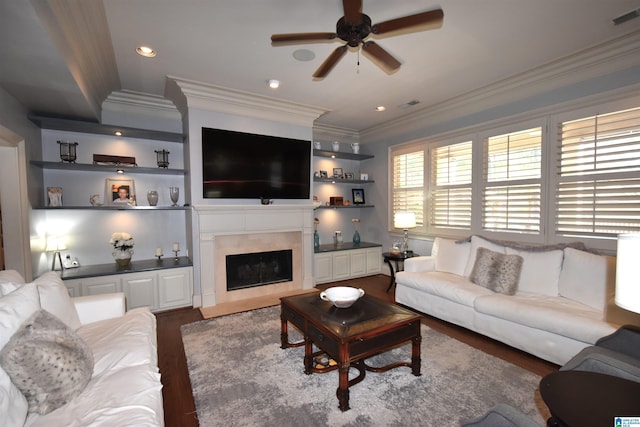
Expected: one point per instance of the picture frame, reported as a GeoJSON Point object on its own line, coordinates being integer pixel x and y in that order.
{"type": "Point", "coordinates": [337, 173]}
{"type": "Point", "coordinates": [348, 175]}
{"type": "Point", "coordinates": [324, 174]}
{"type": "Point", "coordinates": [358, 196]}
{"type": "Point", "coordinates": [115, 197]}
{"type": "Point", "coordinates": [54, 197]}
{"type": "Point", "coordinates": [364, 177]}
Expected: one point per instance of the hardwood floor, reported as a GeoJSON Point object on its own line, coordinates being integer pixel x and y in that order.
{"type": "Point", "coordinates": [179, 408]}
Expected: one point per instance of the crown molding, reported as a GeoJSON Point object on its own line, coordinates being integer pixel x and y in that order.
{"type": "Point", "coordinates": [600, 60]}
{"type": "Point", "coordinates": [193, 94]}
{"type": "Point", "coordinates": [322, 132]}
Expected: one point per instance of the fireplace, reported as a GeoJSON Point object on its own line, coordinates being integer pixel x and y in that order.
{"type": "Point", "coordinates": [258, 269]}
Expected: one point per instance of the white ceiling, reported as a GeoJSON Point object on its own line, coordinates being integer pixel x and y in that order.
{"type": "Point", "coordinates": [63, 57]}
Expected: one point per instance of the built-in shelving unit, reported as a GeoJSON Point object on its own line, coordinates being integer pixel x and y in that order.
{"type": "Point", "coordinates": [344, 207]}
{"type": "Point", "coordinates": [341, 155]}
{"type": "Point", "coordinates": [89, 167]}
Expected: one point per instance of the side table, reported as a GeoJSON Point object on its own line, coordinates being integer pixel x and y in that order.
{"type": "Point", "coordinates": [589, 399]}
{"type": "Point", "coordinates": [398, 259]}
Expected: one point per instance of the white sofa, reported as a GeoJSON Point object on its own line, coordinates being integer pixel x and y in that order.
{"type": "Point", "coordinates": [563, 300]}
{"type": "Point", "coordinates": [124, 388]}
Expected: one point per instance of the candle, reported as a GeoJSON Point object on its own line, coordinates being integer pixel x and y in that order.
{"type": "Point", "coordinates": [176, 247]}
{"type": "Point", "coordinates": [159, 251]}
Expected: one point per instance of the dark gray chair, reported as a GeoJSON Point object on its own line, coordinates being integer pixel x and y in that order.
{"type": "Point", "coordinates": [502, 415]}
{"type": "Point", "coordinates": [617, 354]}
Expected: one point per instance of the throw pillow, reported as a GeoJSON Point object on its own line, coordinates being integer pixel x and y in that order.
{"type": "Point", "coordinates": [47, 361]}
{"type": "Point", "coordinates": [497, 272]}
{"type": "Point", "coordinates": [479, 242]}
{"type": "Point", "coordinates": [540, 271]}
{"type": "Point", "coordinates": [54, 297]}
{"type": "Point", "coordinates": [450, 256]}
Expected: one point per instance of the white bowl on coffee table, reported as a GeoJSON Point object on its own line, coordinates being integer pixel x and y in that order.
{"type": "Point", "coordinates": [342, 296]}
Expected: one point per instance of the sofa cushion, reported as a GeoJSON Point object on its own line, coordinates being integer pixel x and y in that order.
{"type": "Point", "coordinates": [122, 341]}
{"type": "Point", "coordinates": [15, 308]}
{"type": "Point", "coordinates": [54, 297]}
{"type": "Point", "coordinates": [445, 285]}
{"type": "Point", "coordinates": [587, 278]}
{"type": "Point", "coordinates": [496, 271]}
{"type": "Point", "coordinates": [13, 404]}
{"type": "Point", "coordinates": [450, 256]}
{"type": "Point", "coordinates": [479, 242]}
{"type": "Point", "coordinates": [557, 315]}
{"type": "Point", "coordinates": [47, 361]}
{"type": "Point", "coordinates": [540, 271]}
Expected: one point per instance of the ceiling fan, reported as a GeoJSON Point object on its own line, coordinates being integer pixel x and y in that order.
{"type": "Point", "coordinates": [354, 27]}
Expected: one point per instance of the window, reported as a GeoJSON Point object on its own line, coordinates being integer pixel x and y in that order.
{"type": "Point", "coordinates": [408, 182]}
{"type": "Point", "coordinates": [598, 189]}
{"type": "Point", "coordinates": [451, 190]}
{"type": "Point", "coordinates": [512, 185]}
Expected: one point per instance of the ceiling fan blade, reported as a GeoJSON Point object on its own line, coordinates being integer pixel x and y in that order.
{"type": "Point", "coordinates": [380, 56]}
{"type": "Point", "coordinates": [432, 19]}
{"type": "Point", "coordinates": [330, 62]}
{"type": "Point", "coordinates": [293, 38]}
{"type": "Point", "coordinates": [352, 11]}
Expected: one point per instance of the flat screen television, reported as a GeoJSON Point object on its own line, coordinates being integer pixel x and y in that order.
{"type": "Point", "coordinates": [238, 165]}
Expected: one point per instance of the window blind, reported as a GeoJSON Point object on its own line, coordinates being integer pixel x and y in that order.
{"type": "Point", "coordinates": [512, 187]}
{"type": "Point", "coordinates": [451, 190]}
{"type": "Point", "coordinates": [408, 184]}
{"type": "Point", "coordinates": [598, 190]}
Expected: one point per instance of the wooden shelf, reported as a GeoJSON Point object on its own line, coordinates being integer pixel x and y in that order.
{"type": "Point", "coordinates": [343, 181]}
{"type": "Point", "coordinates": [100, 129]}
{"type": "Point", "coordinates": [90, 167]}
{"type": "Point", "coordinates": [341, 155]}
{"type": "Point", "coordinates": [118, 208]}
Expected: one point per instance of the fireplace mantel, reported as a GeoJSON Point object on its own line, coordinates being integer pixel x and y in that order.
{"type": "Point", "coordinates": [215, 222]}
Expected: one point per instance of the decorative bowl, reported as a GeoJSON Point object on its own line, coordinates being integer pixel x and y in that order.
{"type": "Point", "coordinates": [342, 296]}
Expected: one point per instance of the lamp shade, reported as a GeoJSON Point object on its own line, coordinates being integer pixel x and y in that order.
{"type": "Point", "coordinates": [404, 220]}
{"type": "Point", "coordinates": [628, 272]}
{"type": "Point", "coordinates": [55, 244]}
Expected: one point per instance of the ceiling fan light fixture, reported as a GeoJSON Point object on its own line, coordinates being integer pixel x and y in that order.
{"type": "Point", "coordinates": [304, 55]}
{"type": "Point", "coordinates": [273, 83]}
{"type": "Point", "coordinates": [145, 51]}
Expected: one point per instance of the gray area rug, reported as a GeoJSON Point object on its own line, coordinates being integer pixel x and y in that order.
{"type": "Point", "coordinates": [241, 377]}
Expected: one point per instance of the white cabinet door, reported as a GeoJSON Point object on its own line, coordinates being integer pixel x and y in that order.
{"type": "Point", "coordinates": [101, 285]}
{"type": "Point", "coordinates": [341, 265]}
{"type": "Point", "coordinates": [175, 287]}
{"type": "Point", "coordinates": [324, 267]}
{"type": "Point", "coordinates": [140, 290]}
{"type": "Point", "coordinates": [358, 261]}
{"type": "Point", "coordinates": [374, 260]}
{"type": "Point", "coordinates": [74, 287]}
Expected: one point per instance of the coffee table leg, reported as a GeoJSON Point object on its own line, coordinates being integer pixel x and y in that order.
{"type": "Point", "coordinates": [416, 360]}
{"type": "Point", "coordinates": [343, 386]}
{"type": "Point", "coordinates": [308, 356]}
{"type": "Point", "coordinates": [284, 333]}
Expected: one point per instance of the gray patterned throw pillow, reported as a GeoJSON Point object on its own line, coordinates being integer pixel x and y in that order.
{"type": "Point", "coordinates": [496, 271]}
{"type": "Point", "coordinates": [47, 361]}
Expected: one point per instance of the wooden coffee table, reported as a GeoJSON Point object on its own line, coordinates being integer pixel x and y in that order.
{"type": "Point", "coordinates": [350, 335]}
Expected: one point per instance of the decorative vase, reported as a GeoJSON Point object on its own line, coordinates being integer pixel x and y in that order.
{"type": "Point", "coordinates": [316, 240]}
{"type": "Point", "coordinates": [152, 197]}
{"type": "Point", "coordinates": [123, 257]}
{"type": "Point", "coordinates": [335, 146]}
{"type": "Point", "coordinates": [356, 237]}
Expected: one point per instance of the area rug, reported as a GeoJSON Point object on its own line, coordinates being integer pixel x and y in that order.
{"type": "Point", "coordinates": [241, 377]}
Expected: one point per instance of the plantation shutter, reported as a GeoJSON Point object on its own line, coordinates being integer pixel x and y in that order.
{"type": "Point", "coordinates": [512, 182]}
{"type": "Point", "coordinates": [598, 192]}
{"type": "Point", "coordinates": [451, 167]}
{"type": "Point", "coordinates": [408, 184]}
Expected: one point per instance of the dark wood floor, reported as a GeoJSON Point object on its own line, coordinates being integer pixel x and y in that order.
{"type": "Point", "coordinates": [179, 409]}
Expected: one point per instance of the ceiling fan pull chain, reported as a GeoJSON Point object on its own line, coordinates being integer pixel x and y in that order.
{"type": "Point", "coordinates": [358, 63]}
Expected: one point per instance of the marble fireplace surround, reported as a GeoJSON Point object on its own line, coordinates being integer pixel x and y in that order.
{"type": "Point", "coordinates": [230, 230]}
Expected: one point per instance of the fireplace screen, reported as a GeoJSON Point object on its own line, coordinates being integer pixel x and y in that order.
{"type": "Point", "coordinates": [257, 269]}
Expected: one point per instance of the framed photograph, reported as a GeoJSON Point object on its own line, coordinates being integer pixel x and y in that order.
{"type": "Point", "coordinates": [120, 192]}
{"type": "Point", "coordinates": [364, 176]}
{"type": "Point", "coordinates": [337, 173]}
{"type": "Point", "coordinates": [323, 174]}
{"type": "Point", "coordinates": [348, 175]}
{"type": "Point", "coordinates": [54, 196]}
{"type": "Point", "coordinates": [358, 196]}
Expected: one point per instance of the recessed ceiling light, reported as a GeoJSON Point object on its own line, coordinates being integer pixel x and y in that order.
{"type": "Point", "coordinates": [381, 108]}
{"type": "Point", "coordinates": [145, 51]}
{"type": "Point", "coordinates": [117, 133]}
{"type": "Point", "coordinates": [303, 55]}
{"type": "Point", "coordinates": [274, 84]}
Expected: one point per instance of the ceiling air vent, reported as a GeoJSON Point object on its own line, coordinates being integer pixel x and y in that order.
{"type": "Point", "coordinates": [626, 17]}
{"type": "Point", "coordinates": [409, 104]}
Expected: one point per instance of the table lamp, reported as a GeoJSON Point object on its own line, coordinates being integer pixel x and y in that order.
{"type": "Point", "coordinates": [55, 245]}
{"type": "Point", "coordinates": [405, 221]}
{"type": "Point", "coordinates": [628, 272]}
